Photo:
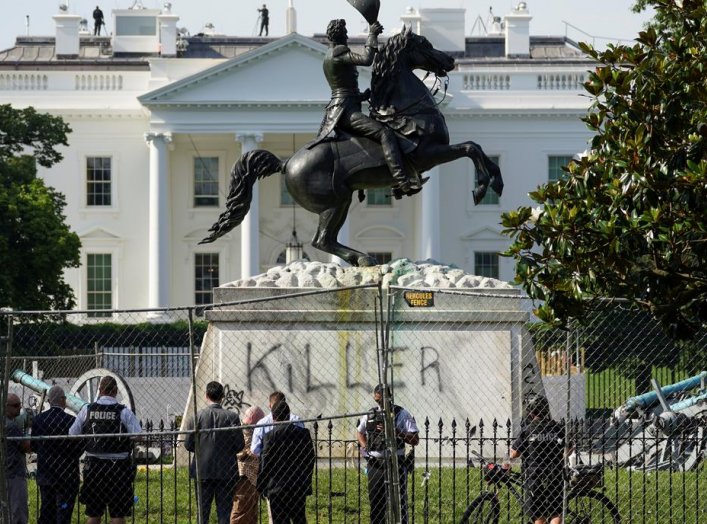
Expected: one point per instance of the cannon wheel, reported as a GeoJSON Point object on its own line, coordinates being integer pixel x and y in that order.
{"type": "Point", "coordinates": [86, 387]}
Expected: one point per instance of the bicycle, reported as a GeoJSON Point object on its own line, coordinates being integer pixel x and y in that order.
{"type": "Point", "coordinates": [585, 504]}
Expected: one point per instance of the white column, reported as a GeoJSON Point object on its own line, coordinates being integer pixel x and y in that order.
{"type": "Point", "coordinates": [250, 228]}
{"type": "Point", "coordinates": [428, 227]}
{"type": "Point", "coordinates": [159, 258]}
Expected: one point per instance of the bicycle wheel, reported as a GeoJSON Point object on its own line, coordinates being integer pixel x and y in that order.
{"type": "Point", "coordinates": [484, 509]}
{"type": "Point", "coordinates": [591, 507]}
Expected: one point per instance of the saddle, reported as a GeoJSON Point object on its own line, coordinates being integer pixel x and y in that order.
{"type": "Point", "coordinates": [353, 154]}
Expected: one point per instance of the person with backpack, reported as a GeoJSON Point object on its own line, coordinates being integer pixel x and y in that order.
{"type": "Point", "coordinates": [541, 444]}
{"type": "Point", "coordinates": [371, 438]}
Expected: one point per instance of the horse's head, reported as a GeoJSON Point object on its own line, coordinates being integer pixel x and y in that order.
{"type": "Point", "coordinates": [422, 55]}
{"type": "Point", "coordinates": [401, 54]}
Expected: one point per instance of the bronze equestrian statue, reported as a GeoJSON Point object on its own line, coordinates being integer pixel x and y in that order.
{"type": "Point", "coordinates": [323, 176]}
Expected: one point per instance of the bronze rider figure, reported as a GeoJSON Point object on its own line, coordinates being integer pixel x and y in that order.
{"type": "Point", "coordinates": [344, 110]}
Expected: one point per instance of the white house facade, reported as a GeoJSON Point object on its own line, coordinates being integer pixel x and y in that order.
{"type": "Point", "coordinates": [158, 118]}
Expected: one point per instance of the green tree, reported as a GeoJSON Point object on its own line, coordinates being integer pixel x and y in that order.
{"type": "Point", "coordinates": [629, 220]}
{"type": "Point", "coordinates": [36, 245]}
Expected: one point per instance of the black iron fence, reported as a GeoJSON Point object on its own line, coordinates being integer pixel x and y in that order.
{"type": "Point", "coordinates": [645, 475]}
{"type": "Point", "coordinates": [477, 356]}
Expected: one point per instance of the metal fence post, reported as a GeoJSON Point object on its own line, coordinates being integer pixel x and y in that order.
{"type": "Point", "coordinates": [192, 359]}
{"type": "Point", "coordinates": [393, 508]}
{"type": "Point", "coordinates": [4, 500]}
{"type": "Point", "coordinates": [568, 408]}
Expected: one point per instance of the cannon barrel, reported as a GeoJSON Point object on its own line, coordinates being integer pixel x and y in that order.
{"type": "Point", "coordinates": [689, 402]}
{"type": "Point", "coordinates": [647, 399]}
{"type": "Point", "coordinates": [39, 386]}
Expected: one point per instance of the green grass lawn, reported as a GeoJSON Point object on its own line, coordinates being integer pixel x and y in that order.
{"type": "Point", "coordinates": [640, 497]}
{"type": "Point", "coordinates": [609, 388]}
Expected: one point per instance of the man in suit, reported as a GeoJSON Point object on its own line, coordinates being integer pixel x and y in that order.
{"type": "Point", "coordinates": [286, 467]}
{"type": "Point", "coordinates": [217, 464]}
{"type": "Point", "coordinates": [57, 460]}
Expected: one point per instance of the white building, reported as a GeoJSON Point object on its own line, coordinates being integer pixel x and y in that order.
{"type": "Point", "coordinates": [157, 125]}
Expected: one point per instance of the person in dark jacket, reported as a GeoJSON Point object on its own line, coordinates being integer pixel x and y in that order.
{"type": "Point", "coordinates": [15, 462]}
{"type": "Point", "coordinates": [541, 444]}
{"type": "Point", "coordinates": [286, 467]}
{"type": "Point", "coordinates": [98, 21]}
{"type": "Point", "coordinates": [264, 20]}
{"type": "Point", "coordinates": [57, 460]}
{"type": "Point", "coordinates": [217, 463]}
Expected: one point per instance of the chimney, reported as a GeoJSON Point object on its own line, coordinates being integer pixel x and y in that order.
{"type": "Point", "coordinates": [67, 35]}
{"type": "Point", "coordinates": [517, 24]}
{"type": "Point", "coordinates": [411, 19]}
{"type": "Point", "coordinates": [168, 34]}
{"type": "Point", "coordinates": [444, 28]}
{"type": "Point", "coordinates": [291, 17]}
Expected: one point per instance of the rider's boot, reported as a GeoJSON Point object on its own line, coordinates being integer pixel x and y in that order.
{"type": "Point", "coordinates": [394, 158]}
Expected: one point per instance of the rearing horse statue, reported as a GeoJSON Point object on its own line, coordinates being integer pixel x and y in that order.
{"type": "Point", "coordinates": [323, 178]}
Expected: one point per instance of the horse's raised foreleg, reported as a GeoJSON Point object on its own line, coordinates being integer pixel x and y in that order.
{"type": "Point", "coordinates": [488, 173]}
{"type": "Point", "coordinates": [326, 238]}
{"type": "Point", "coordinates": [491, 172]}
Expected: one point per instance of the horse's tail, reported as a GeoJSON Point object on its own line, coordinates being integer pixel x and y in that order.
{"type": "Point", "coordinates": [246, 172]}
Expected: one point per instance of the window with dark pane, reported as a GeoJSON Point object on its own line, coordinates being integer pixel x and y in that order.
{"type": "Point", "coordinates": [554, 167]}
{"type": "Point", "coordinates": [379, 197]}
{"type": "Point", "coordinates": [206, 270]}
{"type": "Point", "coordinates": [282, 257]}
{"type": "Point", "coordinates": [99, 284]}
{"type": "Point", "coordinates": [486, 264]}
{"type": "Point", "coordinates": [98, 181]}
{"type": "Point", "coordinates": [382, 257]}
{"type": "Point", "coordinates": [491, 198]}
{"type": "Point", "coordinates": [206, 181]}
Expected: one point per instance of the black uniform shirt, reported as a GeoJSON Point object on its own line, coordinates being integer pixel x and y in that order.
{"type": "Point", "coordinates": [541, 444]}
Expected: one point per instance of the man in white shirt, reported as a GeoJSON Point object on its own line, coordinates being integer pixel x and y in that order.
{"type": "Point", "coordinates": [371, 438]}
{"type": "Point", "coordinates": [108, 471]}
{"type": "Point", "coordinates": [264, 425]}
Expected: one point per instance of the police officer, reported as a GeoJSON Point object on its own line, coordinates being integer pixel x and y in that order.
{"type": "Point", "coordinates": [98, 21]}
{"type": "Point", "coordinates": [371, 438]}
{"type": "Point", "coordinates": [541, 443]}
{"type": "Point", "coordinates": [108, 471]}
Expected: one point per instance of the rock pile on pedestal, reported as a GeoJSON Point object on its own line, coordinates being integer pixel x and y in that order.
{"type": "Point", "coordinates": [401, 272]}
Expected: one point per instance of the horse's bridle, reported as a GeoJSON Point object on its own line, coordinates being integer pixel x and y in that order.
{"type": "Point", "coordinates": [433, 91]}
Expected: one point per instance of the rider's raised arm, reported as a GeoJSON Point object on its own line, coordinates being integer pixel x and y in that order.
{"type": "Point", "coordinates": [370, 49]}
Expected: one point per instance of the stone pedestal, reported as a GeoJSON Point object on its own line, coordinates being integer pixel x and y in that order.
{"type": "Point", "coordinates": [467, 356]}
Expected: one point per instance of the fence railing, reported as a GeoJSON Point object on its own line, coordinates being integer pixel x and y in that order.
{"type": "Point", "coordinates": [646, 476]}
{"type": "Point", "coordinates": [463, 360]}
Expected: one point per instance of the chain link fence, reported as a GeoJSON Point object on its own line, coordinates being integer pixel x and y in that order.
{"type": "Point", "coordinates": [282, 386]}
